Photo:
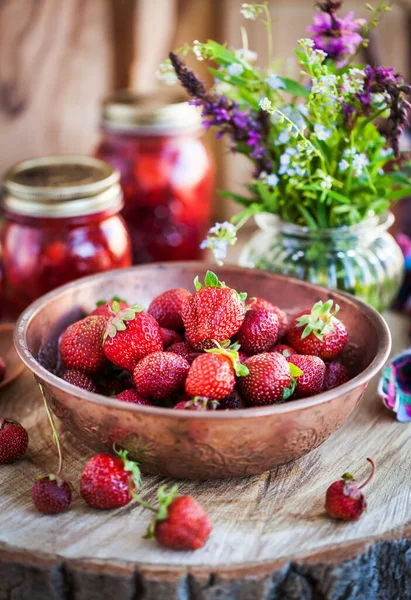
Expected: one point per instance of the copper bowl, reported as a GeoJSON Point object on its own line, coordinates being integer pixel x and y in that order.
{"type": "Point", "coordinates": [190, 444]}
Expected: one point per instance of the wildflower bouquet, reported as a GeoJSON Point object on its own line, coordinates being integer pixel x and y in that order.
{"type": "Point", "coordinates": [315, 143]}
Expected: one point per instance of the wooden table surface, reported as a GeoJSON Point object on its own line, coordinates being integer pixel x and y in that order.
{"type": "Point", "coordinates": [271, 537]}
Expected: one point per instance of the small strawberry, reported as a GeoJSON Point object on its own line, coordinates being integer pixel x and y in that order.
{"type": "Point", "coordinates": [258, 332]}
{"type": "Point", "coordinates": [103, 308]}
{"type": "Point", "coordinates": [283, 349]}
{"type": "Point", "coordinates": [13, 441]}
{"type": "Point", "coordinates": [133, 397]}
{"type": "Point", "coordinates": [214, 312]}
{"type": "Point", "coordinates": [81, 345]}
{"type": "Point", "coordinates": [160, 375]}
{"type": "Point", "coordinates": [51, 494]}
{"type": "Point", "coordinates": [335, 374]}
{"type": "Point", "coordinates": [169, 337]}
{"type": "Point", "coordinates": [270, 379]}
{"type": "Point", "coordinates": [80, 380]}
{"type": "Point", "coordinates": [181, 523]}
{"type": "Point", "coordinates": [212, 374]}
{"type": "Point", "coordinates": [344, 499]}
{"type": "Point", "coordinates": [166, 308]}
{"type": "Point", "coordinates": [2, 368]}
{"type": "Point", "coordinates": [318, 332]}
{"type": "Point", "coordinates": [257, 303]}
{"type": "Point", "coordinates": [130, 335]}
{"type": "Point", "coordinates": [312, 379]}
{"type": "Point", "coordinates": [109, 481]}
{"type": "Point", "coordinates": [198, 403]}
{"type": "Point", "coordinates": [233, 401]}
{"type": "Point", "coordinates": [185, 350]}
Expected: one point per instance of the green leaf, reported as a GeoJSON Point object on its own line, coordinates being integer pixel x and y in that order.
{"type": "Point", "coordinates": [221, 54]}
{"type": "Point", "coordinates": [211, 280]}
{"type": "Point", "coordinates": [243, 296]}
{"type": "Point", "coordinates": [288, 392]}
{"type": "Point", "coordinates": [400, 194]}
{"type": "Point", "coordinates": [101, 302]}
{"type": "Point", "coordinates": [295, 88]}
{"type": "Point", "coordinates": [241, 370]}
{"type": "Point", "coordinates": [115, 306]}
{"type": "Point", "coordinates": [197, 284]}
{"type": "Point", "coordinates": [295, 371]}
{"type": "Point", "coordinates": [237, 197]}
{"type": "Point", "coordinates": [310, 220]}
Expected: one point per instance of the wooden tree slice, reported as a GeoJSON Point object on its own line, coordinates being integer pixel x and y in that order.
{"type": "Point", "coordinates": [271, 537]}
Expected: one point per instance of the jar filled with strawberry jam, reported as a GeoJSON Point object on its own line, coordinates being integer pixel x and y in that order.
{"type": "Point", "coordinates": [167, 174]}
{"type": "Point", "coordinates": [62, 222]}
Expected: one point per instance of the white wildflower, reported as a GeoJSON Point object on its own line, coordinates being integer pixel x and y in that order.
{"type": "Point", "coordinates": [384, 152]}
{"type": "Point", "coordinates": [166, 73]}
{"type": "Point", "coordinates": [306, 43]}
{"type": "Point", "coordinates": [264, 104]}
{"type": "Point", "coordinates": [249, 11]}
{"type": "Point", "coordinates": [327, 183]}
{"type": "Point", "coordinates": [359, 161]}
{"type": "Point", "coordinates": [303, 109]}
{"type": "Point", "coordinates": [343, 164]}
{"type": "Point", "coordinates": [272, 180]}
{"type": "Point", "coordinates": [283, 138]}
{"type": "Point", "coordinates": [235, 69]}
{"type": "Point", "coordinates": [329, 80]}
{"type": "Point", "coordinates": [219, 237]}
{"type": "Point", "coordinates": [275, 82]}
{"type": "Point", "coordinates": [198, 51]}
{"type": "Point", "coordinates": [245, 54]}
{"type": "Point", "coordinates": [321, 132]}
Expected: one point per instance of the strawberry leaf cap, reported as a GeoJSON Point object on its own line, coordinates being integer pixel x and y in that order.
{"type": "Point", "coordinates": [119, 318]}
{"type": "Point", "coordinates": [131, 466]}
{"type": "Point", "coordinates": [203, 402]}
{"type": "Point", "coordinates": [295, 371]}
{"type": "Point", "coordinates": [319, 321]}
{"type": "Point", "coordinates": [165, 499]}
{"type": "Point", "coordinates": [230, 352]}
{"type": "Point", "coordinates": [211, 280]}
{"type": "Point", "coordinates": [114, 298]}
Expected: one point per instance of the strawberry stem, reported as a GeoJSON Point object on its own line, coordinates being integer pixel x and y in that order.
{"type": "Point", "coordinates": [370, 476]}
{"type": "Point", "coordinates": [53, 427]}
{"type": "Point", "coordinates": [142, 502]}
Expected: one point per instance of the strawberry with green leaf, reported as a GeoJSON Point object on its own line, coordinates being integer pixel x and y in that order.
{"type": "Point", "coordinates": [318, 332]}
{"type": "Point", "coordinates": [130, 335]}
{"type": "Point", "coordinates": [214, 313]}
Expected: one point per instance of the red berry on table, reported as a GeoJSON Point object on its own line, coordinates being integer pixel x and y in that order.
{"type": "Point", "coordinates": [181, 523]}
{"type": "Point", "coordinates": [283, 349]}
{"type": "Point", "coordinates": [109, 481]}
{"type": "Point", "coordinates": [13, 441]}
{"type": "Point", "coordinates": [335, 374]}
{"type": "Point", "coordinates": [81, 345]}
{"type": "Point", "coordinates": [258, 332]}
{"type": "Point", "coordinates": [212, 374]}
{"type": "Point", "coordinates": [133, 397]}
{"type": "Point", "coordinates": [269, 379]}
{"type": "Point", "coordinates": [257, 303]}
{"type": "Point", "coordinates": [2, 368]}
{"type": "Point", "coordinates": [214, 312]}
{"type": "Point", "coordinates": [169, 337]}
{"type": "Point", "coordinates": [166, 308]}
{"type": "Point", "coordinates": [318, 332]}
{"type": "Point", "coordinates": [344, 499]}
{"type": "Point", "coordinates": [160, 375]}
{"type": "Point", "coordinates": [104, 308]}
{"type": "Point", "coordinates": [80, 380]}
{"type": "Point", "coordinates": [130, 335]}
{"type": "Point", "coordinates": [51, 494]}
{"type": "Point", "coordinates": [185, 350]}
{"type": "Point", "coordinates": [311, 381]}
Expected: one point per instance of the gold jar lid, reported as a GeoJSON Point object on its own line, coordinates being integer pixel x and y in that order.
{"type": "Point", "coordinates": [150, 114]}
{"type": "Point", "coordinates": [61, 187]}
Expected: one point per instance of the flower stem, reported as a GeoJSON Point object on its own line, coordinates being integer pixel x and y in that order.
{"type": "Point", "coordinates": [268, 26]}
{"type": "Point", "coordinates": [53, 427]}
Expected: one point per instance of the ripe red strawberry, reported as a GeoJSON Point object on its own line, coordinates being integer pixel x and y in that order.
{"type": "Point", "coordinates": [335, 374]}
{"type": "Point", "coordinates": [213, 313]}
{"type": "Point", "coordinates": [166, 308]}
{"type": "Point", "coordinates": [2, 368]}
{"type": "Point", "coordinates": [258, 332]}
{"type": "Point", "coordinates": [169, 337]}
{"type": "Point", "coordinates": [257, 303]}
{"type": "Point", "coordinates": [318, 332]}
{"type": "Point", "coordinates": [104, 308]}
{"type": "Point", "coordinates": [130, 335]}
{"type": "Point", "coordinates": [212, 374]}
{"type": "Point", "coordinates": [185, 350]}
{"type": "Point", "coordinates": [344, 499]}
{"type": "Point", "coordinates": [181, 523]}
{"type": "Point", "coordinates": [312, 379]}
{"type": "Point", "coordinates": [13, 441]}
{"type": "Point", "coordinates": [51, 494]}
{"type": "Point", "coordinates": [81, 345]}
{"type": "Point", "coordinates": [269, 380]}
{"type": "Point", "coordinates": [133, 397]}
{"type": "Point", "coordinates": [109, 481]}
{"type": "Point", "coordinates": [160, 375]}
{"type": "Point", "coordinates": [80, 380]}
{"type": "Point", "coordinates": [283, 349]}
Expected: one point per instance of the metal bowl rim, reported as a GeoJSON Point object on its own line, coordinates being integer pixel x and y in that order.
{"type": "Point", "coordinates": [362, 378]}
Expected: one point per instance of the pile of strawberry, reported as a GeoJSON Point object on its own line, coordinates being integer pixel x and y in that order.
{"type": "Point", "coordinates": [211, 349]}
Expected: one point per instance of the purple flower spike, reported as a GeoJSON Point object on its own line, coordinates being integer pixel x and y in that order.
{"type": "Point", "coordinates": [338, 37]}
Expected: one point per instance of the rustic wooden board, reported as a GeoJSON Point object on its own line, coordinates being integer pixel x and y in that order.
{"type": "Point", "coordinates": [271, 537]}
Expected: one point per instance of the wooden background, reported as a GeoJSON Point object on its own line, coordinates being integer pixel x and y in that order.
{"type": "Point", "coordinates": [59, 58]}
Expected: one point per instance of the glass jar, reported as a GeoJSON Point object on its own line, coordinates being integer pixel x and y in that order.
{"type": "Point", "coordinates": [61, 222]}
{"type": "Point", "coordinates": [363, 260]}
{"type": "Point", "coordinates": [167, 174]}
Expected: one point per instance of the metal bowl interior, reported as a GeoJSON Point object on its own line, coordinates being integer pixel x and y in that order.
{"type": "Point", "coordinates": [189, 444]}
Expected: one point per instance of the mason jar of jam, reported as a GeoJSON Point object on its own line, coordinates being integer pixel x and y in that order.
{"type": "Point", "coordinates": [61, 222]}
{"type": "Point", "coordinates": [167, 174]}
